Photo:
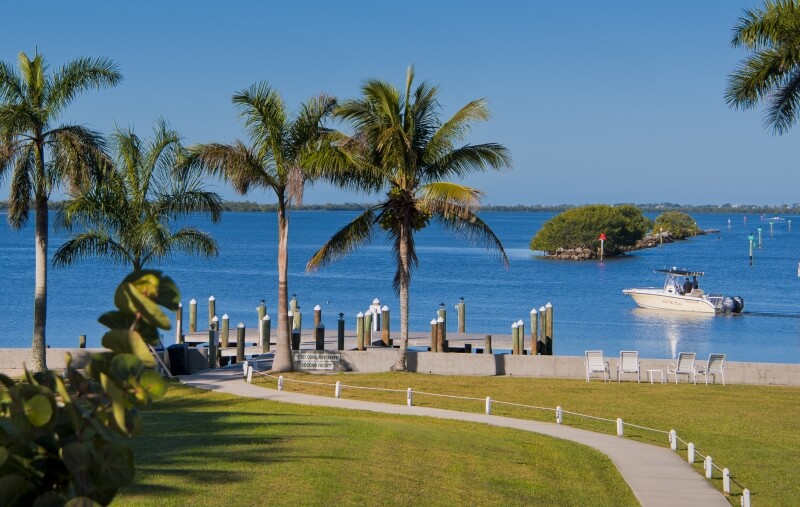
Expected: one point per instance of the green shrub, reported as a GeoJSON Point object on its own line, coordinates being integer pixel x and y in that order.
{"type": "Point", "coordinates": [678, 224]}
{"type": "Point", "coordinates": [580, 227]}
{"type": "Point", "coordinates": [61, 437]}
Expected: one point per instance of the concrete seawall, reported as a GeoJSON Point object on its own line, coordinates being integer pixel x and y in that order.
{"type": "Point", "coordinates": [377, 360]}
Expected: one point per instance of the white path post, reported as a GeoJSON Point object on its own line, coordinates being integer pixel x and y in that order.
{"type": "Point", "coordinates": [673, 440]}
{"type": "Point", "coordinates": [559, 415]}
{"type": "Point", "coordinates": [709, 466]}
{"type": "Point", "coordinates": [338, 391]}
{"type": "Point", "coordinates": [488, 405]}
{"type": "Point", "coordinates": [690, 453]}
{"type": "Point", "coordinates": [620, 429]}
{"type": "Point", "coordinates": [726, 481]}
{"type": "Point", "coordinates": [280, 383]}
{"type": "Point", "coordinates": [746, 498]}
{"type": "Point", "coordinates": [249, 374]}
{"type": "Point", "coordinates": [409, 397]}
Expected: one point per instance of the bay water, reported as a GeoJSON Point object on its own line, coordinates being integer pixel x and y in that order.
{"type": "Point", "coordinates": [589, 308]}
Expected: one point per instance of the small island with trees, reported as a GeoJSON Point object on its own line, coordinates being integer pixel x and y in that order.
{"type": "Point", "coordinates": [575, 233]}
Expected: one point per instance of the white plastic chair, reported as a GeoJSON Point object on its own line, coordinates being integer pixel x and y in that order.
{"type": "Point", "coordinates": [714, 367]}
{"type": "Point", "coordinates": [596, 364]}
{"type": "Point", "coordinates": [685, 366]}
{"type": "Point", "coordinates": [628, 363]}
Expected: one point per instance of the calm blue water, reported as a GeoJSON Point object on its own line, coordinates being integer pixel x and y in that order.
{"type": "Point", "coordinates": [590, 309]}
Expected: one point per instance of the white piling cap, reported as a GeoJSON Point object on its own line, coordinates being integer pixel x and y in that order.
{"type": "Point", "coordinates": [241, 324]}
{"type": "Point", "coordinates": [290, 314]}
{"type": "Point", "coordinates": [215, 319]}
{"type": "Point", "coordinates": [180, 305]}
{"type": "Point", "coordinates": [360, 315]}
{"type": "Point", "coordinates": [376, 301]}
{"type": "Point", "coordinates": [533, 310]}
{"type": "Point", "coordinates": [514, 325]}
{"type": "Point", "coordinates": [385, 308]}
{"type": "Point", "coordinates": [225, 317]}
{"type": "Point", "coordinates": [193, 302]}
{"type": "Point", "coordinates": [211, 298]}
{"type": "Point", "coordinates": [520, 323]}
{"type": "Point", "coordinates": [548, 305]}
{"type": "Point", "coordinates": [317, 308]}
{"type": "Point", "coordinates": [433, 322]}
{"type": "Point", "coordinates": [541, 309]}
{"type": "Point", "coordinates": [440, 319]}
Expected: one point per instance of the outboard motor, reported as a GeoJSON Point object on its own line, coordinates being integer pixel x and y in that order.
{"type": "Point", "coordinates": [729, 304]}
{"type": "Point", "coordinates": [739, 304]}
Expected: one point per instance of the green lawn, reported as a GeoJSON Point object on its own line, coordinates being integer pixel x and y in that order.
{"type": "Point", "coordinates": [201, 448]}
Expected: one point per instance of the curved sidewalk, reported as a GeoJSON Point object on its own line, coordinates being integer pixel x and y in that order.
{"type": "Point", "coordinates": [657, 475]}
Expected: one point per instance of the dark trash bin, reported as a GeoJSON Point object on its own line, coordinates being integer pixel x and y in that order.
{"type": "Point", "coordinates": [178, 359]}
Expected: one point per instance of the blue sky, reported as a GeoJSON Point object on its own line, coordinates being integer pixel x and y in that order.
{"type": "Point", "coordinates": [599, 102]}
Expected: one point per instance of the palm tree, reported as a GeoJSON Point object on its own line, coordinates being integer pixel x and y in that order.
{"type": "Point", "coordinates": [41, 156]}
{"type": "Point", "coordinates": [275, 161]}
{"type": "Point", "coordinates": [399, 144]}
{"type": "Point", "coordinates": [126, 216]}
{"type": "Point", "coordinates": [772, 72]}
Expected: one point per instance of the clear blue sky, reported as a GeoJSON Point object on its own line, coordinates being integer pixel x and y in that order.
{"type": "Point", "coordinates": [599, 102]}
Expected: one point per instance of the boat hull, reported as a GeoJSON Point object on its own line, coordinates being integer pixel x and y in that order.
{"type": "Point", "coordinates": [660, 300]}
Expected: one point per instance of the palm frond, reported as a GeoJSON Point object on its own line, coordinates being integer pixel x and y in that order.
{"type": "Point", "coordinates": [345, 241]}
{"type": "Point", "coordinates": [10, 84]}
{"type": "Point", "coordinates": [78, 156]}
{"type": "Point", "coordinates": [90, 244]}
{"type": "Point", "coordinates": [781, 113]}
{"type": "Point", "coordinates": [455, 129]}
{"type": "Point", "coordinates": [22, 188]}
{"type": "Point", "coordinates": [78, 76]}
{"type": "Point", "coordinates": [467, 159]}
{"type": "Point", "coordinates": [444, 197]}
{"type": "Point", "coordinates": [467, 225]}
{"type": "Point", "coordinates": [265, 119]}
{"type": "Point", "coordinates": [234, 163]}
{"type": "Point", "coordinates": [183, 202]}
{"type": "Point", "coordinates": [193, 241]}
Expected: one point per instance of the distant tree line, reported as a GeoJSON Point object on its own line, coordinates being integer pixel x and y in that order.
{"type": "Point", "coordinates": [250, 206]}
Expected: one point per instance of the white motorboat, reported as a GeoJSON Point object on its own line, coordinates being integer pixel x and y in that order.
{"type": "Point", "coordinates": [673, 296]}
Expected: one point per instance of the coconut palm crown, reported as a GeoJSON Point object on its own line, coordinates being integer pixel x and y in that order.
{"type": "Point", "coordinates": [771, 73]}
{"type": "Point", "coordinates": [126, 216]}
{"type": "Point", "coordinates": [41, 156]}
{"type": "Point", "coordinates": [275, 160]}
{"type": "Point", "coordinates": [400, 145]}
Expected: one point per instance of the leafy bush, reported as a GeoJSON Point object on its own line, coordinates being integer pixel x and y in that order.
{"type": "Point", "coordinates": [580, 227]}
{"type": "Point", "coordinates": [678, 224]}
{"type": "Point", "coordinates": [61, 436]}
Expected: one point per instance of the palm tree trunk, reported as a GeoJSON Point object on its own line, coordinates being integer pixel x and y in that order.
{"type": "Point", "coordinates": [283, 355]}
{"type": "Point", "coordinates": [38, 346]}
{"type": "Point", "coordinates": [405, 278]}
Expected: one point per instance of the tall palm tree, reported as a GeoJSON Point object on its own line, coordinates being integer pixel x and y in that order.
{"type": "Point", "coordinates": [772, 72]}
{"type": "Point", "coordinates": [41, 156]}
{"type": "Point", "coordinates": [400, 144]}
{"type": "Point", "coordinates": [275, 160]}
{"type": "Point", "coordinates": [125, 217]}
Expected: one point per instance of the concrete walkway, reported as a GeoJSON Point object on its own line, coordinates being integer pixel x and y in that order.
{"type": "Point", "coordinates": [657, 475]}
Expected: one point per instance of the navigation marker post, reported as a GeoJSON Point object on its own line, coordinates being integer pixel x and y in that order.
{"type": "Point", "coordinates": [602, 244]}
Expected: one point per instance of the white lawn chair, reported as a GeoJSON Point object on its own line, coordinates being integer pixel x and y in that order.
{"type": "Point", "coordinates": [596, 364]}
{"type": "Point", "coordinates": [628, 363]}
{"type": "Point", "coordinates": [685, 366]}
{"type": "Point", "coordinates": [714, 367]}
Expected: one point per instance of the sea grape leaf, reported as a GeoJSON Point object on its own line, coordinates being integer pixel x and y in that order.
{"type": "Point", "coordinates": [82, 501]}
{"type": "Point", "coordinates": [117, 398]}
{"type": "Point", "coordinates": [167, 294]}
{"type": "Point", "coordinates": [154, 384]}
{"type": "Point", "coordinates": [128, 299]}
{"type": "Point", "coordinates": [16, 490]}
{"type": "Point", "coordinates": [39, 410]}
{"type": "Point", "coordinates": [128, 342]}
{"type": "Point", "coordinates": [78, 460]}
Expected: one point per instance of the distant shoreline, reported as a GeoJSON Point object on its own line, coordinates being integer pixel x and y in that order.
{"type": "Point", "coordinates": [254, 207]}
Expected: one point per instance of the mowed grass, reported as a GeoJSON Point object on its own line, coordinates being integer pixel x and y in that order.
{"type": "Point", "coordinates": [754, 431]}
{"type": "Point", "coordinates": [202, 448]}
